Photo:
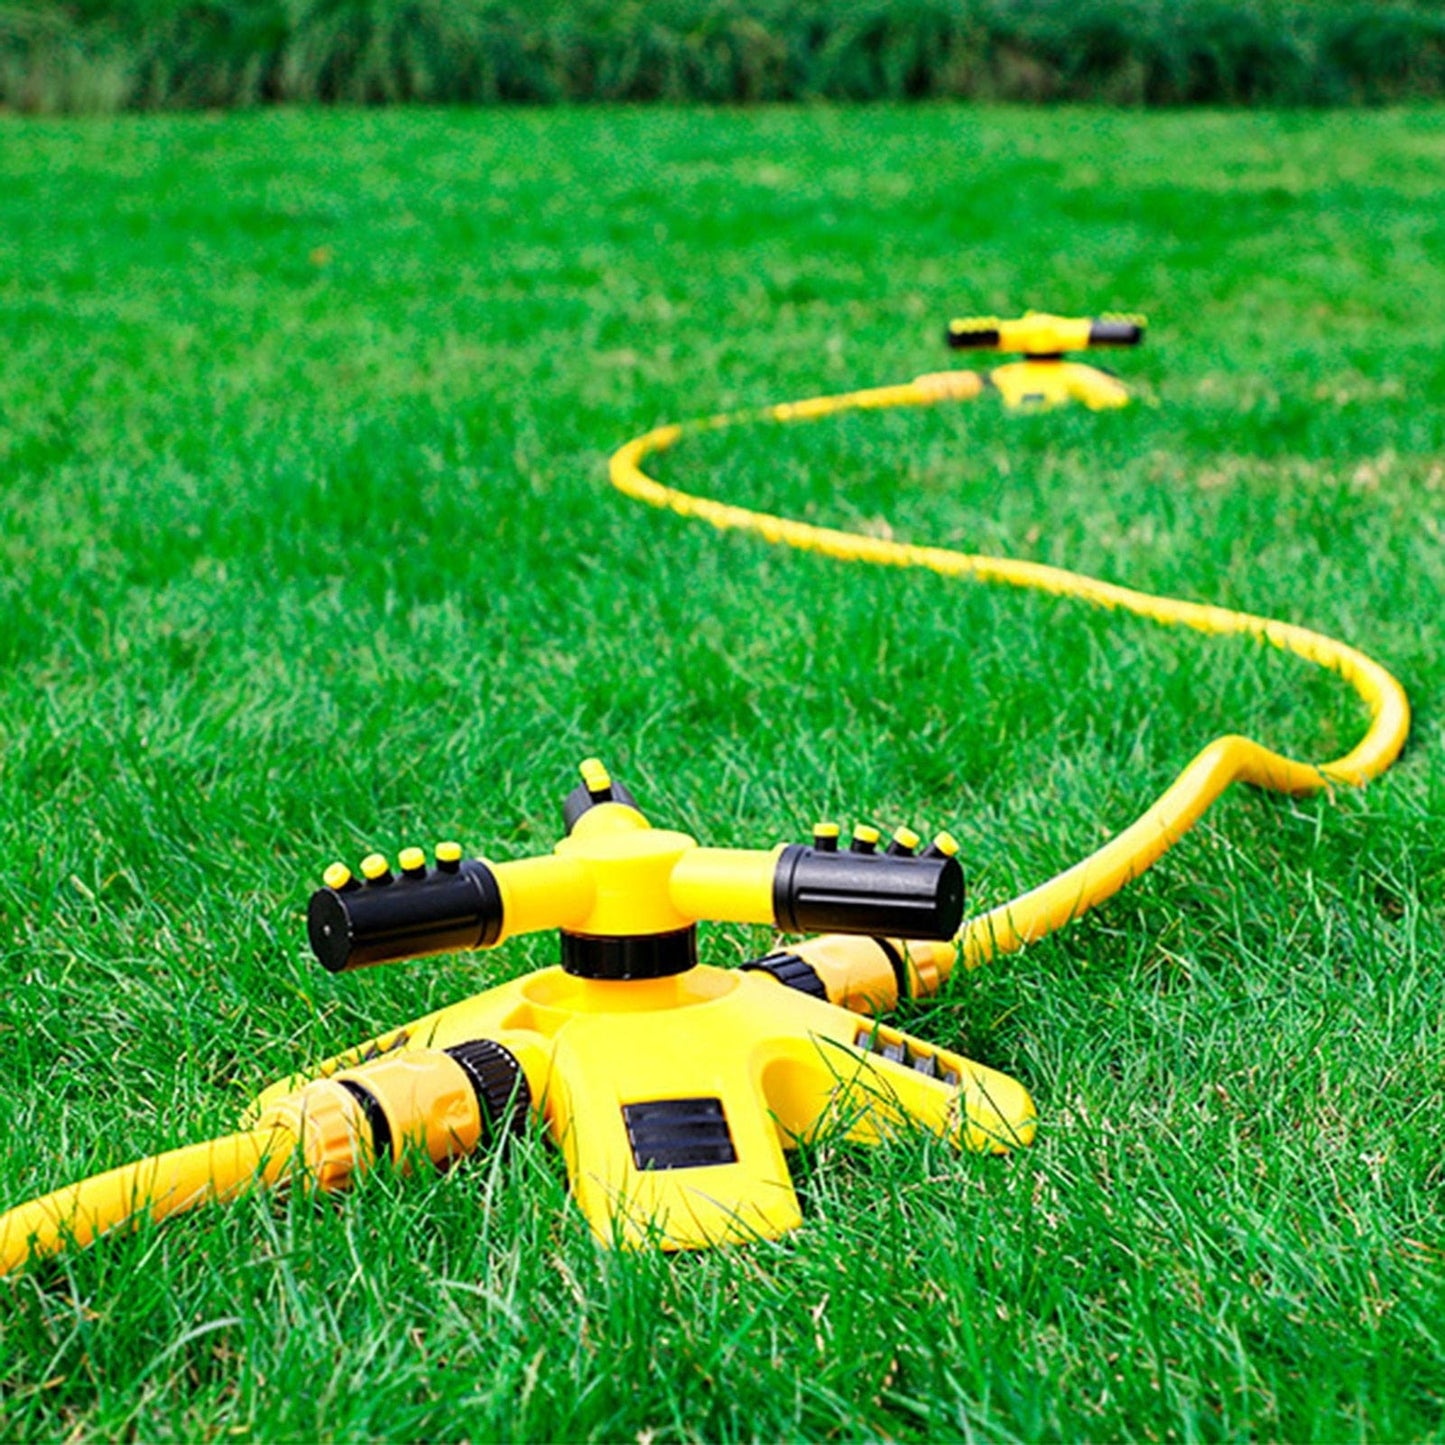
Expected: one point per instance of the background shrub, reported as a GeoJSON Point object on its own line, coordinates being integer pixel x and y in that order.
{"type": "Point", "coordinates": [148, 54]}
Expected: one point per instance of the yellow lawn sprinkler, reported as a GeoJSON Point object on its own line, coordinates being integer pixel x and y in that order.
{"type": "Point", "coordinates": [1044, 377]}
{"type": "Point", "coordinates": [674, 1088]}
{"type": "Point", "coordinates": [671, 1087]}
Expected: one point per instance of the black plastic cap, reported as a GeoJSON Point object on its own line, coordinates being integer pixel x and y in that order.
{"type": "Point", "coordinates": [868, 893]}
{"type": "Point", "coordinates": [981, 338]}
{"type": "Point", "coordinates": [1115, 333]}
{"type": "Point", "coordinates": [579, 800]}
{"type": "Point", "coordinates": [439, 913]}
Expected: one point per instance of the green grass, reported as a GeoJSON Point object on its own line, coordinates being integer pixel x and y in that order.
{"type": "Point", "coordinates": [306, 548]}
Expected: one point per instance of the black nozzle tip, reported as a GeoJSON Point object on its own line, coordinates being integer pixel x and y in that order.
{"type": "Point", "coordinates": [442, 912]}
{"type": "Point", "coordinates": [972, 338]}
{"type": "Point", "coordinates": [328, 929]}
{"type": "Point", "coordinates": [1115, 333]}
{"type": "Point", "coordinates": [872, 893]}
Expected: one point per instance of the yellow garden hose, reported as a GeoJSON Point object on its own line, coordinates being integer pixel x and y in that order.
{"type": "Point", "coordinates": [159, 1187]}
{"type": "Point", "coordinates": [321, 1134]}
{"type": "Point", "coordinates": [1224, 761]}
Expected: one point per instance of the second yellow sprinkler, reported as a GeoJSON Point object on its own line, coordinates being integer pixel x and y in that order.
{"type": "Point", "coordinates": [1044, 376]}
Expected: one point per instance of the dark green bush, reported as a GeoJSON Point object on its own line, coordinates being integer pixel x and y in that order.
{"type": "Point", "coordinates": [94, 55]}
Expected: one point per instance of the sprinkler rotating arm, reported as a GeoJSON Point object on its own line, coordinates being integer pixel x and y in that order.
{"type": "Point", "coordinates": [617, 881]}
{"type": "Point", "coordinates": [1040, 334]}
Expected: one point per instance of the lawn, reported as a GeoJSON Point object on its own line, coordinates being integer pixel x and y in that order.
{"type": "Point", "coordinates": [307, 548]}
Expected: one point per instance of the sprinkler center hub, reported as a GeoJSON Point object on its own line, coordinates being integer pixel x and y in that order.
{"type": "Point", "coordinates": [633, 930]}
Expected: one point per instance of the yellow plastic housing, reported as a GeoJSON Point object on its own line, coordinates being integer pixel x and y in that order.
{"type": "Point", "coordinates": [1042, 384]}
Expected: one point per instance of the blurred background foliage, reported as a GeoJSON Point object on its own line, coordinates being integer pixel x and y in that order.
{"type": "Point", "coordinates": [109, 55]}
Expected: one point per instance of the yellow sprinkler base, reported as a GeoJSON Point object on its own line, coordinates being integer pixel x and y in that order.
{"type": "Point", "coordinates": [674, 1099]}
{"type": "Point", "coordinates": [673, 1088]}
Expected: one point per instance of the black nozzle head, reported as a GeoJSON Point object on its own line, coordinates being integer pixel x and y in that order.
{"type": "Point", "coordinates": [597, 786]}
{"type": "Point", "coordinates": [961, 336]}
{"type": "Point", "coordinates": [1115, 331]}
{"type": "Point", "coordinates": [454, 906]}
{"type": "Point", "coordinates": [882, 895]}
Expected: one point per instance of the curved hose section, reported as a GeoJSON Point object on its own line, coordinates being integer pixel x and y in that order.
{"type": "Point", "coordinates": [159, 1187]}
{"type": "Point", "coordinates": [1226, 760]}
